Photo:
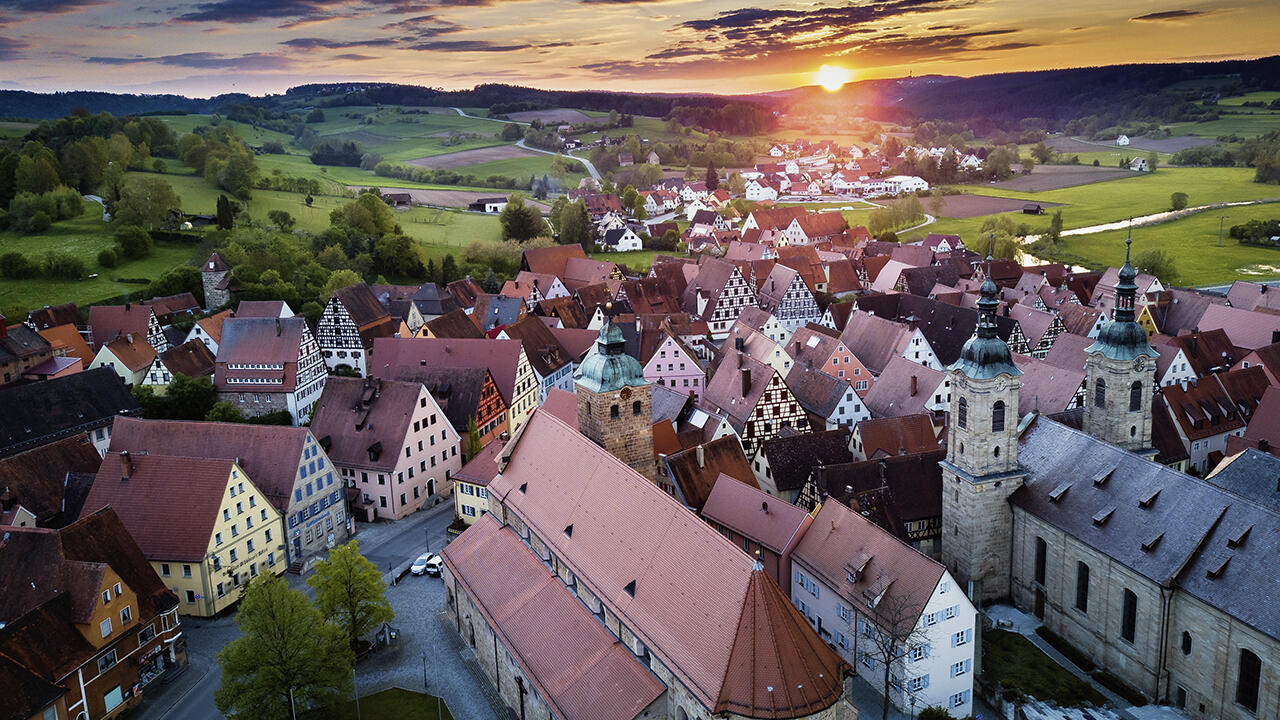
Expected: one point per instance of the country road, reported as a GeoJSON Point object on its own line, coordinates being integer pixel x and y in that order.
{"type": "Point", "coordinates": [586, 163]}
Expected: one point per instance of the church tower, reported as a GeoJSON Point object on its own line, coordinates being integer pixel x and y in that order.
{"type": "Point", "coordinates": [615, 402]}
{"type": "Point", "coordinates": [981, 470]}
{"type": "Point", "coordinates": [1120, 374]}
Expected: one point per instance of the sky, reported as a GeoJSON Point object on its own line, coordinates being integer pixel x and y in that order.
{"type": "Point", "coordinates": [206, 47]}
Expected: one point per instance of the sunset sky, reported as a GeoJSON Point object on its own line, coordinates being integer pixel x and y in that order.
{"type": "Point", "coordinates": [257, 46]}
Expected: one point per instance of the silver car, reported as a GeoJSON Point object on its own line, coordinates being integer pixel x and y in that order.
{"type": "Point", "coordinates": [427, 563]}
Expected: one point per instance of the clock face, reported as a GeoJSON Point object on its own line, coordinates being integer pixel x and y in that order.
{"type": "Point", "coordinates": [1140, 364]}
{"type": "Point", "coordinates": [626, 393]}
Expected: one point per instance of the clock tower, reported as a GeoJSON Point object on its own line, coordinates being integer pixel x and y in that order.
{"type": "Point", "coordinates": [1120, 374]}
{"type": "Point", "coordinates": [981, 470]}
{"type": "Point", "coordinates": [615, 402]}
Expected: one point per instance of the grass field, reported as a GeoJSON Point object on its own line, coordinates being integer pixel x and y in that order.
{"type": "Point", "coordinates": [1192, 242]}
{"type": "Point", "coordinates": [1251, 121]}
{"type": "Point", "coordinates": [83, 237]}
{"type": "Point", "coordinates": [393, 704]}
{"type": "Point", "coordinates": [15, 129]}
{"type": "Point", "coordinates": [635, 260]}
{"type": "Point", "coordinates": [520, 168]}
{"type": "Point", "coordinates": [1012, 661]}
{"type": "Point", "coordinates": [439, 234]}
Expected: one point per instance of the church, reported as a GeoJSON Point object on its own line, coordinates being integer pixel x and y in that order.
{"type": "Point", "coordinates": [1165, 580]}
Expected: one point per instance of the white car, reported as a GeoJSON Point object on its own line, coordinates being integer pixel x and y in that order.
{"type": "Point", "coordinates": [428, 563]}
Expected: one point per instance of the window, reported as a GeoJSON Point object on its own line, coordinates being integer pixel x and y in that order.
{"type": "Point", "coordinates": [1042, 551]}
{"type": "Point", "coordinates": [961, 638]}
{"type": "Point", "coordinates": [106, 661]}
{"type": "Point", "coordinates": [1129, 619]}
{"type": "Point", "coordinates": [960, 698]}
{"type": "Point", "coordinates": [1082, 587]}
{"type": "Point", "coordinates": [635, 407]}
{"type": "Point", "coordinates": [1100, 393]}
{"type": "Point", "coordinates": [844, 611]}
{"type": "Point", "coordinates": [164, 569]}
{"type": "Point", "coordinates": [217, 538]}
{"type": "Point", "coordinates": [997, 416]}
{"type": "Point", "coordinates": [105, 627]}
{"type": "Point", "coordinates": [146, 635]}
{"type": "Point", "coordinates": [249, 545]}
{"type": "Point", "coordinates": [960, 668]}
{"type": "Point", "coordinates": [919, 652]}
{"type": "Point", "coordinates": [106, 596]}
{"type": "Point", "coordinates": [126, 615]}
{"type": "Point", "coordinates": [916, 684]}
{"type": "Point", "coordinates": [613, 411]}
{"type": "Point", "coordinates": [962, 412]}
{"type": "Point", "coordinates": [1135, 396]}
{"type": "Point", "coordinates": [186, 571]}
{"type": "Point", "coordinates": [191, 596]}
{"type": "Point", "coordinates": [949, 613]}
{"type": "Point", "coordinates": [1186, 643]}
{"type": "Point", "coordinates": [1247, 680]}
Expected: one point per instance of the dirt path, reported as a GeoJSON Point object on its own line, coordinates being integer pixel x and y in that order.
{"type": "Point", "coordinates": [1153, 219]}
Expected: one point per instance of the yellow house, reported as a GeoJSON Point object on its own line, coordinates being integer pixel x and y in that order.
{"type": "Point", "coordinates": [471, 484]}
{"type": "Point", "coordinates": [526, 393]}
{"type": "Point", "coordinates": [201, 523]}
{"type": "Point", "coordinates": [1147, 322]}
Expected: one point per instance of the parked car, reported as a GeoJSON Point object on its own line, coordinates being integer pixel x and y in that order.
{"type": "Point", "coordinates": [428, 563]}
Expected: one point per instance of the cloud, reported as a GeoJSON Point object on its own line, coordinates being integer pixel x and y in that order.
{"type": "Point", "coordinates": [314, 43]}
{"type": "Point", "coordinates": [11, 49]}
{"type": "Point", "coordinates": [48, 7]}
{"type": "Point", "coordinates": [355, 57]}
{"type": "Point", "coordinates": [468, 46]}
{"type": "Point", "coordinates": [1167, 15]}
{"type": "Point", "coordinates": [204, 60]}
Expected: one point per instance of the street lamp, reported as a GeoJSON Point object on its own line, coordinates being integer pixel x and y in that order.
{"type": "Point", "coordinates": [356, 692]}
{"type": "Point", "coordinates": [427, 531]}
{"type": "Point", "coordinates": [424, 670]}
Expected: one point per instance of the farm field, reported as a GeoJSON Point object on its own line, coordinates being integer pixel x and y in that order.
{"type": "Point", "coordinates": [520, 168]}
{"type": "Point", "coordinates": [1251, 121]}
{"type": "Point", "coordinates": [1192, 242]}
{"type": "Point", "coordinates": [555, 116]}
{"type": "Point", "coordinates": [473, 157]}
{"type": "Point", "coordinates": [968, 206]}
{"type": "Point", "coordinates": [1054, 177]}
{"type": "Point", "coordinates": [83, 237]}
{"type": "Point", "coordinates": [336, 177]}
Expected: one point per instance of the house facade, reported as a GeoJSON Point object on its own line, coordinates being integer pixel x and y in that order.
{"type": "Point", "coordinates": [269, 364]}
{"type": "Point", "coordinates": [351, 320]}
{"type": "Point", "coordinates": [674, 365]}
{"type": "Point", "coordinates": [784, 295]}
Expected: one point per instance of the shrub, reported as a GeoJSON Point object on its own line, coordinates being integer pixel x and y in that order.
{"type": "Point", "coordinates": [63, 266]}
{"type": "Point", "coordinates": [1119, 687]}
{"type": "Point", "coordinates": [16, 266]}
{"type": "Point", "coordinates": [133, 241]}
{"type": "Point", "coordinates": [1178, 201]}
{"type": "Point", "coordinates": [108, 258]}
{"type": "Point", "coordinates": [933, 712]}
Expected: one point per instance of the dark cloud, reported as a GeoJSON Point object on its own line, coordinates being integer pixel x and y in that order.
{"type": "Point", "coordinates": [48, 7]}
{"type": "Point", "coordinates": [314, 43]}
{"type": "Point", "coordinates": [205, 61]}
{"type": "Point", "coordinates": [1167, 15]}
{"type": "Point", "coordinates": [304, 11]}
{"type": "Point", "coordinates": [355, 57]}
{"type": "Point", "coordinates": [620, 2]}
{"type": "Point", "coordinates": [11, 49]}
{"type": "Point", "coordinates": [467, 46]}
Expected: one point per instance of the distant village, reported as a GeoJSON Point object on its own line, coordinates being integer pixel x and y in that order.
{"type": "Point", "coordinates": [788, 463]}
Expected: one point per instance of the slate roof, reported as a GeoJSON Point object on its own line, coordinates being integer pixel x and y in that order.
{"type": "Point", "coordinates": [901, 435]}
{"type": "Point", "coordinates": [53, 316]}
{"type": "Point", "coordinates": [36, 479]}
{"type": "Point", "coordinates": [395, 299]}
{"type": "Point", "coordinates": [192, 358]}
{"type": "Point", "coordinates": [431, 300]}
{"type": "Point", "coordinates": [817, 392]}
{"type": "Point", "coordinates": [897, 577]}
{"type": "Point", "coordinates": [724, 629]}
{"type": "Point", "coordinates": [694, 471]}
{"type": "Point", "coordinates": [164, 530]}
{"type": "Point", "coordinates": [890, 491]}
{"type": "Point", "coordinates": [1251, 475]}
{"type": "Point", "coordinates": [947, 327]}
{"type": "Point", "coordinates": [267, 453]}
{"type": "Point", "coordinates": [41, 413]}
{"type": "Point", "coordinates": [578, 668]}
{"type": "Point", "coordinates": [364, 422]}
{"type": "Point", "coordinates": [495, 311]}
{"type": "Point", "coordinates": [793, 457]}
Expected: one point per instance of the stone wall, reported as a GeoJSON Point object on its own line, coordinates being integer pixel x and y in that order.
{"type": "Point", "coordinates": [1115, 423]}
{"type": "Point", "coordinates": [629, 435]}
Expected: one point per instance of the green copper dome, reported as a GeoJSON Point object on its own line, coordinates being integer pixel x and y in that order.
{"type": "Point", "coordinates": [607, 367]}
{"type": "Point", "coordinates": [1123, 338]}
{"type": "Point", "coordinates": [985, 355]}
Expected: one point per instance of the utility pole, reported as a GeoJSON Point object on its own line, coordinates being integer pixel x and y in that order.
{"type": "Point", "coordinates": [356, 692]}
{"type": "Point", "coordinates": [1220, 219]}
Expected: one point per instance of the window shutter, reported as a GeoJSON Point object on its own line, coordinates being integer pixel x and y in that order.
{"type": "Point", "coordinates": [927, 650]}
{"type": "Point", "coordinates": [953, 640]}
{"type": "Point", "coordinates": [968, 635]}
{"type": "Point", "coordinates": [925, 682]}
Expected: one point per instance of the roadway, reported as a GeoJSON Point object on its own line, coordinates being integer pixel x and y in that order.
{"type": "Point", "coordinates": [389, 544]}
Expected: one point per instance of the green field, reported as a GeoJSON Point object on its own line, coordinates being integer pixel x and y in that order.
{"type": "Point", "coordinates": [83, 237]}
{"type": "Point", "coordinates": [1192, 242]}
{"type": "Point", "coordinates": [521, 168]}
{"type": "Point", "coordinates": [1250, 121]}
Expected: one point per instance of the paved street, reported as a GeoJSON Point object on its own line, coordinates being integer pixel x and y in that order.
{"type": "Point", "coordinates": [418, 602]}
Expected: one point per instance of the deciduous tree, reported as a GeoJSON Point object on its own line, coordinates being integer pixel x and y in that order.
{"type": "Point", "coordinates": [350, 592]}
{"type": "Point", "coordinates": [520, 221]}
{"type": "Point", "coordinates": [145, 201]}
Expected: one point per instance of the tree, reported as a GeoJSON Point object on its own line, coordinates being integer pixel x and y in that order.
{"type": "Point", "coordinates": [448, 270]}
{"type": "Point", "coordinates": [1178, 201]}
{"type": "Point", "coordinates": [575, 226]}
{"type": "Point", "coordinates": [1153, 159]}
{"type": "Point", "coordinates": [396, 256]}
{"type": "Point", "coordinates": [224, 412]}
{"type": "Point", "coordinates": [713, 178]}
{"type": "Point", "coordinates": [133, 242]}
{"type": "Point", "coordinates": [287, 656]}
{"type": "Point", "coordinates": [519, 221]}
{"type": "Point", "coordinates": [473, 439]}
{"type": "Point", "coordinates": [1157, 263]}
{"type": "Point", "coordinates": [190, 398]}
{"type": "Point", "coordinates": [1054, 235]}
{"type": "Point", "coordinates": [226, 216]}
{"type": "Point", "coordinates": [350, 592]}
{"type": "Point", "coordinates": [315, 116]}
{"type": "Point", "coordinates": [512, 132]}
{"type": "Point", "coordinates": [937, 201]}
{"type": "Point", "coordinates": [146, 201]}
{"type": "Point", "coordinates": [338, 280]}
{"type": "Point", "coordinates": [107, 258]}
{"type": "Point", "coordinates": [491, 283]}
{"type": "Point", "coordinates": [282, 220]}
{"type": "Point", "coordinates": [736, 184]}
{"type": "Point", "coordinates": [1028, 164]}
{"type": "Point", "coordinates": [894, 629]}
{"type": "Point", "coordinates": [1042, 153]}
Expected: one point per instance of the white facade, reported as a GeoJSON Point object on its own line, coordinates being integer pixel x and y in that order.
{"type": "Point", "coordinates": [849, 412]}
{"type": "Point", "coordinates": [797, 307]}
{"type": "Point", "coordinates": [339, 338]}
{"type": "Point", "coordinates": [758, 190]}
{"type": "Point", "coordinates": [938, 667]}
{"type": "Point", "coordinates": [920, 352]}
{"type": "Point", "coordinates": [1179, 371]}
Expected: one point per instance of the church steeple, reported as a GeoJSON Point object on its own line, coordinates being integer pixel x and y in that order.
{"type": "Point", "coordinates": [1120, 371]}
{"type": "Point", "coordinates": [985, 355]}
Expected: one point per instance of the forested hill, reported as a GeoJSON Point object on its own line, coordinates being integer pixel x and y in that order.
{"type": "Point", "coordinates": [26, 104]}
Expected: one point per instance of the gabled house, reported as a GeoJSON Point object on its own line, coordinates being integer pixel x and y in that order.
{"type": "Point", "coordinates": [877, 438]}
{"type": "Point", "coordinates": [81, 405]}
{"type": "Point", "coordinates": [784, 295]}
{"type": "Point", "coordinates": [43, 487]}
{"type": "Point", "coordinates": [855, 581]}
{"type": "Point", "coordinates": [209, 330]}
{"type": "Point", "coordinates": [1035, 331]}
{"type": "Point", "coordinates": [429, 302]}
{"type": "Point", "coordinates": [693, 472]}
{"type": "Point", "coordinates": [21, 349]}
{"type": "Point", "coordinates": [109, 322]}
{"type": "Point", "coordinates": [351, 320]}
{"type": "Point", "coordinates": [390, 441]}
{"type": "Point", "coordinates": [1198, 354]}
{"type": "Point", "coordinates": [765, 323]}
{"type": "Point", "coordinates": [673, 364]}
{"type": "Point", "coordinates": [907, 388]}
{"type": "Point", "coordinates": [290, 468]}
{"type": "Point", "coordinates": [766, 528]}
{"type": "Point", "coordinates": [717, 294]}
{"type": "Point", "coordinates": [466, 395]}
{"type": "Point", "coordinates": [533, 288]}
{"type": "Point", "coordinates": [54, 316]}
{"type": "Point", "coordinates": [754, 398]}
{"type": "Point", "coordinates": [822, 351]}
{"type": "Point", "coordinates": [192, 359]}
{"type": "Point", "coordinates": [752, 342]}
{"type": "Point", "coordinates": [814, 228]}
{"type": "Point", "coordinates": [129, 356]}
{"type": "Point", "coordinates": [207, 547]}
{"type": "Point", "coordinates": [621, 240]}
{"type": "Point", "coordinates": [783, 464]}
{"type": "Point", "coordinates": [552, 364]}
{"type": "Point", "coordinates": [66, 341]}
{"type": "Point", "coordinates": [829, 401]}
{"type": "Point", "coordinates": [1209, 410]}
{"type": "Point", "coordinates": [269, 364]}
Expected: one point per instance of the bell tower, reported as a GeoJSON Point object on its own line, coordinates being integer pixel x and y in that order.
{"type": "Point", "coordinates": [615, 402]}
{"type": "Point", "coordinates": [1120, 373]}
{"type": "Point", "coordinates": [981, 470]}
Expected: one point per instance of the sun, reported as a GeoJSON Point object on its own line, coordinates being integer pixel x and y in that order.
{"type": "Point", "coordinates": [831, 77]}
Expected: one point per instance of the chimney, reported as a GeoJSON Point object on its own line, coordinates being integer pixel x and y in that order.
{"type": "Point", "coordinates": [746, 381]}
{"type": "Point", "coordinates": [1262, 289]}
{"type": "Point", "coordinates": [914, 383]}
{"type": "Point", "coordinates": [279, 327]}
{"type": "Point", "coordinates": [739, 344]}
{"type": "Point", "coordinates": [1195, 346]}
{"type": "Point", "coordinates": [1264, 445]}
{"type": "Point", "coordinates": [702, 460]}
{"type": "Point", "coordinates": [126, 465]}
{"type": "Point", "coordinates": [127, 305]}
{"type": "Point", "coordinates": [1275, 336]}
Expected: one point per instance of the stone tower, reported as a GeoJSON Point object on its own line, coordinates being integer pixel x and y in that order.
{"type": "Point", "coordinates": [213, 272]}
{"type": "Point", "coordinates": [1120, 374]}
{"type": "Point", "coordinates": [615, 402]}
{"type": "Point", "coordinates": [981, 469]}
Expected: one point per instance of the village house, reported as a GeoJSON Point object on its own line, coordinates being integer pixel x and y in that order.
{"type": "Point", "coordinates": [1210, 409]}
{"type": "Point", "coordinates": [130, 357]}
{"type": "Point", "coordinates": [829, 401]}
{"type": "Point", "coordinates": [84, 404]}
{"type": "Point", "coordinates": [351, 320]}
{"type": "Point", "coordinates": [471, 484]}
{"type": "Point", "coordinates": [21, 349]}
{"type": "Point", "coordinates": [755, 399]}
{"type": "Point", "coordinates": [717, 294]}
{"type": "Point", "coordinates": [782, 465]}
{"type": "Point", "coordinates": [673, 364]}
{"type": "Point", "coordinates": [111, 322]}
{"type": "Point", "coordinates": [620, 240]}
{"type": "Point", "coordinates": [208, 330]}
{"type": "Point", "coordinates": [269, 365]}
{"type": "Point", "coordinates": [192, 359]}
{"type": "Point", "coordinates": [694, 472]}
{"type": "Point", "coordinates": [814, 228]}
{"type": "Point", "coordinates": [552, 365]}
{"type": "Point", "coordinates": [364, 424]}
{"type": "Point", "coordinates": [766, 528]}
{"type": "Point", "coordinates": [289, 467]}
{"type": "Point", "coordinates": [467, 395]}
{"type": "Point", "coordinates": [785, 295]}
{"type": "Point", "coordinates": [86, 625]}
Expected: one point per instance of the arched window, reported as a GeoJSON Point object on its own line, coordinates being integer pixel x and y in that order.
{"type": "Point", "coordinates": [1100, 393]}
{"type": "Point", "coordinates": [613, 411]}
{"type": "Point", "coordinates": [1082, 587]}
{"type": "Point", "coordinates": [1135, 396]}
{"type": "Point", "coordinates": [962, 413]}
{"type": "Point", "coordinates": [997, 416]}
{"type": "Point", "coordinates": [1186, 643]}
{"type": "Point", "coordinates": [1247, 680]}
{"type": "Point", "coordinates": [635, 407]}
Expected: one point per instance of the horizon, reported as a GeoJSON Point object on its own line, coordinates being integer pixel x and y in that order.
{"type": "Point", "coordinates": [207, 48]}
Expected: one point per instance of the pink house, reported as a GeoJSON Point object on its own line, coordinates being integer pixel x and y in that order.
{"type": "Point", "coordinates": [674, 365]}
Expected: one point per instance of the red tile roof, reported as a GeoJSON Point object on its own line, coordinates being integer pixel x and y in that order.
{"type": "Point", "coordinates": [501, 357]}
{"type": "Point", "coordinates": [68, 337]}
{"type": "Point", "coordinates": [148, 505]}
{"type": "Point", "coordinates": [192, 358]}
{"type": "Point", "coordinates": [364, 422]}
{"type": "Point", "coordinates": [695, 471]}
{"type": "Point", "coordinates": [754, 513]}
{"type": "Point", "coordinates": [108, 322]}
{"type": "Point", "coordinates": [135, 353]}
{"type": "Point", "coordinates": [899, 435]}
{"type": "Point", "coordinates": [577, 666]}
{"type": "Point", "coordinates": [724, 630]}
{"type": "Point", "coordinates": [36, 478]}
